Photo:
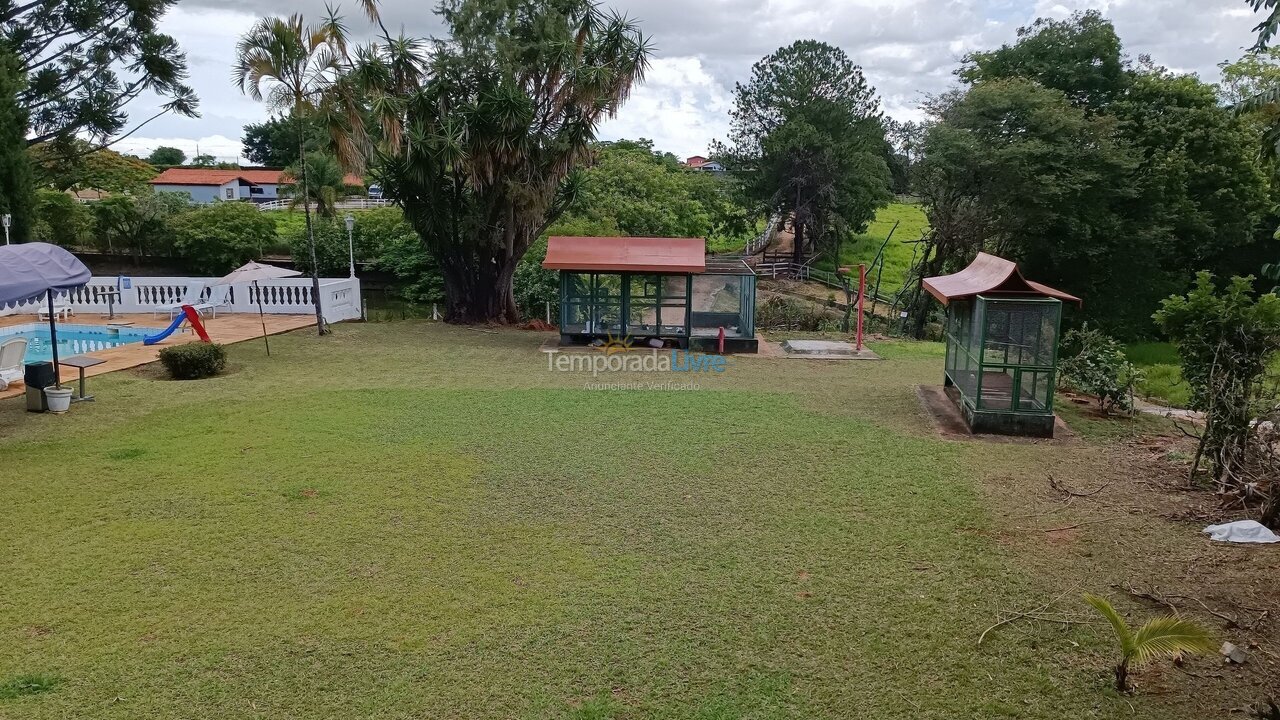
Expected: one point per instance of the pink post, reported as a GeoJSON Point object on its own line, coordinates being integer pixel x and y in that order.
{"type": "Point", "coordinates": [721, 341]}
{"type": "Point", "coordinates": [862, 295]}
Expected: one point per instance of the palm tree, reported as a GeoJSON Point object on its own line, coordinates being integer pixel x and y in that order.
{"type": "Point", "coordinates": [1159, 637]}
{"type": "Point", "coordinates": [325, 184]}
{"type": "Point", "coordinates": [302, 69]}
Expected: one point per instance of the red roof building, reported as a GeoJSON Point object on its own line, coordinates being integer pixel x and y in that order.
{"type": "Point", "coordinates": [626, 254]}
{"type": "Point", "coordinates": [205, 185]}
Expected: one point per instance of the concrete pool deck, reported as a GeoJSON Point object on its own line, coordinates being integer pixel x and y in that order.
{"type": "Point", "coordinates": [225, 329]}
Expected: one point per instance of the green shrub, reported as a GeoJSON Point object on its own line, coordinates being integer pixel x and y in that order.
{"type": "Point", "coordinates": [1227, 339]}
{"type": "Point", "coordinates": [194, 360]}
{"type": "Point", "coordinates": [217, 238]}
{"type": "Point", "coordinates": [1099, 367]}
{"type": "Point", "coordinates": [392, 245]}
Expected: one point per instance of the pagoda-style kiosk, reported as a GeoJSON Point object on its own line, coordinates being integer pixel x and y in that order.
{"type": "Point", "coordinates": [641, 289]}
{"type": "Point", "coordinates": [1002, 346]}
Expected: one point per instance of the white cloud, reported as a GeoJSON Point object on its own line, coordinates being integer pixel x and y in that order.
{"type": "Point", "coordinates": [680, 107]}
{"type": "Point", "coordinates": [225, 149]}
{"type": "Point", "coordinates": [908, 48]}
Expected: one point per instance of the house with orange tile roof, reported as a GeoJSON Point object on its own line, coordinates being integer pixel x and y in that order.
{"type": "Point", "coordinates": [206, 185]}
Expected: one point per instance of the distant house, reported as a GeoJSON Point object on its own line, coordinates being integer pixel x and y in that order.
{"type": "Point", "coordinates": [207, 185]}
{"type": "Point", "coordinates": [697, 162]}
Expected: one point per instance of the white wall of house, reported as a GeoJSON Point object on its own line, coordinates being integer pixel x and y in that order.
{"type": "Point", "coordinates": [266, 191]}
{"type": "Point", "coordinates": [205, 194]}
{"type": "Point", "coordinates": [201, 194]}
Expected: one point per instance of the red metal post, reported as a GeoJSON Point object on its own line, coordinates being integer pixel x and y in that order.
{"type": "Point", "coordinates": [721, 341]}
{"type": "Point", "coordinates": [862, 296]}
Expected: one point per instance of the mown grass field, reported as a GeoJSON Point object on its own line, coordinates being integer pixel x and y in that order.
{"type": "Point", "coordinates": [413, 520]}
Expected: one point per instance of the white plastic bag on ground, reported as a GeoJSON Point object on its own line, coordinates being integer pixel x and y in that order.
{"type": "Point", "coordinates": [1242, 531]}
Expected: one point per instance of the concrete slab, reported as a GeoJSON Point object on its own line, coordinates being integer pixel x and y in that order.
{"type": "Point", "coordinates": [939, 404]}
{"type": "Point", "coordinates": [826, 350]}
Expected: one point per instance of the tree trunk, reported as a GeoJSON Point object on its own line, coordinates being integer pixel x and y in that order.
{"type": "Point", "coordinates": [797, 243]}
{"type": "Point", "coordinates": [1122, 677]}
{"type": "Point", "coordinates": [321, 328]}
{"type": "Point", "coordinates": [479, 289]}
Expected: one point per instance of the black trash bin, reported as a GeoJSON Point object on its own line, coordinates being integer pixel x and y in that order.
{"type": "Point", "coordinates": [37, 376]}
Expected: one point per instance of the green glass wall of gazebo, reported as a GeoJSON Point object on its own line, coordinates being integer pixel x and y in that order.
{"type": "Point", "coordinates": [1002, 353]}
{"type": "Point", "coordinates": [594, 304]}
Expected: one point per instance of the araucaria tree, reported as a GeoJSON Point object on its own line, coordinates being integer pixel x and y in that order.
{"type": "Point", "coordinates": [807, 142]}
{"type": "Point", "coordinates": [303, 70]}
{"type": "Point", "coordinates": [86, 61]}
{"type": "Point", "coordinates": [481, 152]}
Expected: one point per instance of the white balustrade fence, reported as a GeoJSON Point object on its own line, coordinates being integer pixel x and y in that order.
{"type": "Point", "coordinates": [346, 204]}
{"type": "Point", "coordinates": [339, 297]}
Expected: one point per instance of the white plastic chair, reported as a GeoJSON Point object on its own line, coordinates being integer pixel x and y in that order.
{"type": "Point", "coordinates": [219, 297]}
{"type": "Point", "coordinates": [191, 296]}
{"type": "Point", "coordinates": [61, 311]}
{"type": "Point", "coordinates": [11, 353]}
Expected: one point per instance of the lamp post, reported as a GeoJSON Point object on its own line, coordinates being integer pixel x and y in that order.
{"type": "Point", "coordinates": [7, 220]}
{"type": "Point", "coordinates": [351, 245]}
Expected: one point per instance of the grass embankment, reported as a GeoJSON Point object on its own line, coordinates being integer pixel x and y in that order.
{"type": "Point", "coordinates": [414, 520]}
{"type": "Point", "coordinates": [898, 254]}
{"type": "Point", "coordinates": [1163, 383]}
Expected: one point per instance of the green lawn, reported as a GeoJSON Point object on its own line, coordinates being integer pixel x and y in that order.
{"type": "Point", "coordinates": [411, 520]}
{"type": "Point", "coordinates": [898, 253]}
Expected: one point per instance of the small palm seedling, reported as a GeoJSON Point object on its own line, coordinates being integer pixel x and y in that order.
{"type": "Point", "coordinates": [1160, 637]}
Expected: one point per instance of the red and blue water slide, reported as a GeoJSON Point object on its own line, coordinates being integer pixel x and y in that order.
{"type": "Point", "coordinates": [188, 314]}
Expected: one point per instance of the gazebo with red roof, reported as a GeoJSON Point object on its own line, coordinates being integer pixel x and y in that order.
{"type": "Point", "coordinates": [652, 290]}
{"type": "Point", "coordinates": [1002, 345]}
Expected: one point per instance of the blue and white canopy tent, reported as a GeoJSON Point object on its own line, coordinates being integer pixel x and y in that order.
{"type": "Point", "coordinates": [35, 271]}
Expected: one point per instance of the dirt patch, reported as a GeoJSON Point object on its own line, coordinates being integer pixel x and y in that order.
{"type": "Point", "coordinates": [949, 422]}
{"type": "Point", "coordinates": [1118, 518]}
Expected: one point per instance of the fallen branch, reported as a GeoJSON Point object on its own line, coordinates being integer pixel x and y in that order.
{"type": "Point", "coordinates": [1053, 483]}
{"type": "Point", "coordinates": [1085, 522]}
{"type": "Point", "coordinates": [1035, 613]}
{"type": "Point", "coordinates": [1167, 601]}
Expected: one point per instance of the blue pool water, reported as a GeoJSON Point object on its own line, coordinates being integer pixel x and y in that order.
{"type": "Point", "coordinates": [72, 339]}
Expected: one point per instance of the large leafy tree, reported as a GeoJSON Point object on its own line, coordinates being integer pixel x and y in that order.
{"type": "Point", "coordinates": [480, 149]}
{"type": "Point", "coordinates": [807, 142]}
{"type": "Point", "coordinates": [88, 169]}
{"type": "Point", "coordinates": [1014, 168]}
{"type": "Point", "coordinates": [302, 69]}
{"type": "Point", "coordinates": [647, 193]}
{"type": "Point", "coordinates": [16, 194]}
{"type": "Point", "coordinates": [1079, 56]}
{"type": "Point", "coordinates": [1202, 189]}
{"type": "Point", "coordinates": [274, 143]}
{"type": "Point", "coordinates": [1090, 178]}
{"type": "Point", "coordinates": [165, 155]}
{"type": "Point", "coordinates": [86, 60]}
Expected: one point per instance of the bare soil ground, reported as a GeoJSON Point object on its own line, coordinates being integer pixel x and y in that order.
{"type": "Point", "coordinates": [1122, 515]}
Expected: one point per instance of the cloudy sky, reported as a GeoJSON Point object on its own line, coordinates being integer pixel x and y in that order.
{"type": "Point", "coordinates": [908, 48]}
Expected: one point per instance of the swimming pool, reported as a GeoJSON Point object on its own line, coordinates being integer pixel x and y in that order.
{"type": "Point", "coordinates": [72, 339]}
